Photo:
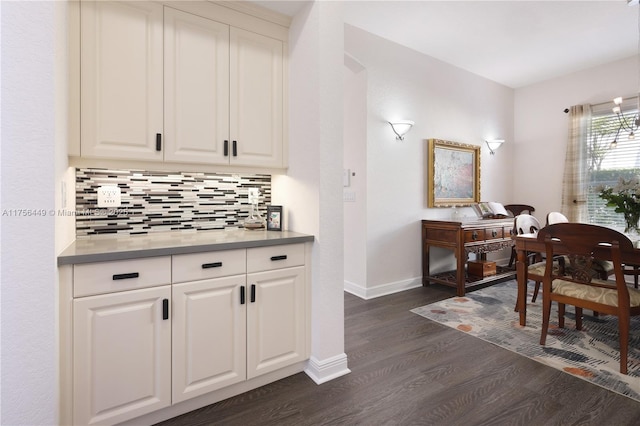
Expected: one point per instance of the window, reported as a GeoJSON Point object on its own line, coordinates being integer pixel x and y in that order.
{"type": "Point", "coordinates": [606, 164]}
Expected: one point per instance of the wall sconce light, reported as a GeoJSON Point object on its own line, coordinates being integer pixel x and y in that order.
{"type": "Point", "coordinates": [401, 127]}
{"type": "Point", "coordinates": [494, 144]}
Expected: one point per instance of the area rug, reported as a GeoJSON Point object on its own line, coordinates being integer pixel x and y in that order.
{"type": "Point", "coordinates": [591, 354]}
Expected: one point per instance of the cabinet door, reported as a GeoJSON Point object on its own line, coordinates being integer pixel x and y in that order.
{"type": "Point", "coordinates": [209, 336]}
{"type": "Point", "coordinates": [276, 326]}
{"type": "Point", "coordinates": [121, 355]}
{"type": "Point", "coordinates": [121, 79]}
{"type": "Point", "coordinates": [196, 67]}
{"type": "Point", "coordinates": [256, 73]}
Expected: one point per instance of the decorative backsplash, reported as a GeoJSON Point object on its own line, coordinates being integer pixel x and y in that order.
{"type": "Point", "coordinates": [165, 201]}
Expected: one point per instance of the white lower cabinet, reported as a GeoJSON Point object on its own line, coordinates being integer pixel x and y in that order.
{"type": "Point", "coordinates": [151, 333]}
{"type": "Point", "coordinates": [209, 336]}
{"type": "Point", "coordinates": [122, 355]}
{"type": "Point", "coordinates": [275, 320]}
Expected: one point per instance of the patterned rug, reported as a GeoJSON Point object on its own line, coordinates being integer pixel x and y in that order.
{"type": "Point", "coordinates": [591, 354]}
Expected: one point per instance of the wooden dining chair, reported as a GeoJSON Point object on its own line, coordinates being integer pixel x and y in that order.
{"type": "Point", "coordinates": [582, 244]}
{"type": "Point", "coordinates": [603, 267]}
{"type": "Point", "coordinates": [556, 217]}
{"type": "Point", "coordinates": [515, 210]}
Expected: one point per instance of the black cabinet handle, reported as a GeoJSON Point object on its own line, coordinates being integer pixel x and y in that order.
{"type": "Point", "coordinates": [126, 276]}
{"type": "Point", "coordinates": [253, 293]}
{"type": "Point", "coordinates": [211, 265]}
{"type": "Point", "coordinates": [242, 295]}
{"type": "Point", "coordinates": [235, 148]}
{"type": "Point", "coordinates": [226, 148]}
{"type": "Point", "coordinates": [165, 309]}
{"type": "Point", "coordinates": [281, 257]}
{"type": "Point", "coordinates": [158, 141]}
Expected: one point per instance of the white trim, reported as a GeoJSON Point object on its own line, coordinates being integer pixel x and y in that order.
{"type": "Point", "coordinates": [381, 290]}
{"type": "Point", "coordinates": [328, 369]}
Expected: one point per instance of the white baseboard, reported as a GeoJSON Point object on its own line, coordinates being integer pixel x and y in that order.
{"type": "Point", "coordinates": [381, 290]}
{"type": "Point", "coordinates": [328, 369]}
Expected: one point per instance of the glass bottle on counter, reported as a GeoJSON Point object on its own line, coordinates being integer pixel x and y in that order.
{"type": "Point", "coordinates": [255, 220]}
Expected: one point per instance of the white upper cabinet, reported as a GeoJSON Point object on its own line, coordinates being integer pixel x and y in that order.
{"type": "Point", "coordinates": [121, 79]}
{"type": "Point", "coordinates": [196, 83]}
{"type": "Point", "coordinates": [256, 99]}
{"type": "Point", "coordinates": [162, 84]}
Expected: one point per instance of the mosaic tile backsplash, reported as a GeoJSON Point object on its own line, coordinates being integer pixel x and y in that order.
{"type": "Point", "coordinates": [165, 201]}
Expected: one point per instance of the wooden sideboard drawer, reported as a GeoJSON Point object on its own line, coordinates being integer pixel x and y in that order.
{"type": "Point", "coordinates": [213, 264]}
{"type": "Point", "coordinates": [474, 235]}
{"type": "Point", "coordinates": [508, 231]}
{"type": "Point", "coordinates": [493, 233]}
{"type": "Point", "coordinates": [274, 257]}
{"type": "Point", "coordinates": [120, 275]}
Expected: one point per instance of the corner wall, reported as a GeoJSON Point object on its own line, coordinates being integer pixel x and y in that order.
{"type": "Point", "coordinates": [311, 192]}
{"type": "Point", "coordinates": [446, 103]}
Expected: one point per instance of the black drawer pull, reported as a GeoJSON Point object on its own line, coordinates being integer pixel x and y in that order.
{"type": "Point", "coordinates": [235, 149]}
{"type": "Point", "coordinates": [242, 295]}
{"type": "Point", "coordinates": [253, 293]}
{"type": "Point", "coordinates": [126, 276]}
{"type": "Point", "coordinates": [158, 141]}
{"type": "Point", "coordinates": [281, 257]}
{"type": "Point", "coordinates": [211, 265]}
{"type": "Point", "coordinates": [226, 148]}
{"type": "Point", "coordinates": [165, 309]}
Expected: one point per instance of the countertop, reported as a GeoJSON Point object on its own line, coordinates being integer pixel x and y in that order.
{"type": "Point", "coordinates": [169, 243]}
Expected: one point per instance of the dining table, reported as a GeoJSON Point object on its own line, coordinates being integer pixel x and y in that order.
{"type": "Point", "coordinates": [526, 243]}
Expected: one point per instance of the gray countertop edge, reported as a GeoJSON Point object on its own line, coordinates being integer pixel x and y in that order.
{"type": "Point", "coordinates": [74, 255]}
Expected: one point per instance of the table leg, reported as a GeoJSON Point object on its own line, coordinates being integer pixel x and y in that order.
{"type": "Point", "coordinates": [425, 264]}
{"type": "Point", "coordinates": [461, 274]}
{"type": "Point", "coordinates": [521, 271]}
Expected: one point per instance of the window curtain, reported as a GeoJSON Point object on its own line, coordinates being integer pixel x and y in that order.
{"type": "Point", "coordinates": [574, 183]}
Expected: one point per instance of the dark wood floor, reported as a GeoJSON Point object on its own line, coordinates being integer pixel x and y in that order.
{"type": "Point", "coordinates": [407, 370]}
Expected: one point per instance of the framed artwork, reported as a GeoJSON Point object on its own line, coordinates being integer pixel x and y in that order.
{"type": "Point", "coordinates": [274, 218]}
{"type": "Point", "coordinates": [454, 174]}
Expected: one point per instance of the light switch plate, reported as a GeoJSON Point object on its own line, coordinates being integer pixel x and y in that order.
{"type": "Point", "coordinates": [346, 177]}
{"type": "Point", "coordinates": [109, 196]}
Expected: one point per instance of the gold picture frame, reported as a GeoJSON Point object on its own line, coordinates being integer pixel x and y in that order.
{"type": "Point", "coordinates": [454, 174]}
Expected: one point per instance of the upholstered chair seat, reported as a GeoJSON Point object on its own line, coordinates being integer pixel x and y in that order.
{"type": "Point", "coordinates": [606, 296]}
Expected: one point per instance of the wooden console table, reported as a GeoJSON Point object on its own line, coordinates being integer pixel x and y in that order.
{"type": "Point", "coordinates": [464, 237]}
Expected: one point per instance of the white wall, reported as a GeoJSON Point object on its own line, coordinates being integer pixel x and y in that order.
{"type": "Point", "coordinates": [355, 148]}
{"type": "Point", "coordinates": [542, 127]}
{"type": "Point", "coordinates": [311, 192]}
{"type": "Point", "coordinates": [446, 103]}
{"type": "Point", "coordinates": [30, 140]}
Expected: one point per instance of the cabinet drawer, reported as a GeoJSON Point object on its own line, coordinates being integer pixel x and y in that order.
{"type": "Point", "coordinates": [493, 233]}
{"type": "Point", "coordinates": [120, 275]}
{"type": "Point", "coordinates": [274, 257]}
{"type": "Point", "coordinates": [508, 231]}
{"type": "Point", "coordinates": [212, 264]}
{"type": "Point", "coordinates": [473, 235]}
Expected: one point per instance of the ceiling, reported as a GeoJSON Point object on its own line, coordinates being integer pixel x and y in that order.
{"type": "Point", "coordinates": [515, 43]}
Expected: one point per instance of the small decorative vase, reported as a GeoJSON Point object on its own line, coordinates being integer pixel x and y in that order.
{"type": "Point", "coordinates": [631, 220]}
